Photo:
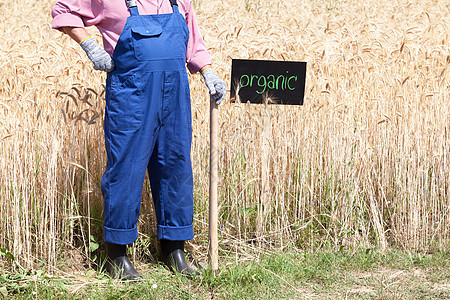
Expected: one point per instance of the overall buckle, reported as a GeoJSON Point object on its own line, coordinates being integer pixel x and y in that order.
{"type": "Point", "coordinates": [131, 3]}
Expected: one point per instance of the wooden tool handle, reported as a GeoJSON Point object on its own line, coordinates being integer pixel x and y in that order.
{"type": "Point", "coordinates": [213, 179]}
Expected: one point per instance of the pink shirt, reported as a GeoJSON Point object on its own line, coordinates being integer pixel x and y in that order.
{"type": "Point", "coordinates": [109, 16]}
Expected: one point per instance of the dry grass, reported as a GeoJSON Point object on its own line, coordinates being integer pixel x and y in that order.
{"type": "Point", "coordinates": [365, 162]}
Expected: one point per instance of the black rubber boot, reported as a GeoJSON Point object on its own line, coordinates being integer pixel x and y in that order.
{"type": "Point", "coordinates": [174, 257]}
{"type": "Point", "coordinates": [118, 265]}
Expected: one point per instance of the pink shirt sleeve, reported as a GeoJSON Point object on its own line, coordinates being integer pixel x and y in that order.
{"type": "Point", "coordinates": [197, 54]}
{"type": "Point", "coordinates": [77, 13]}
{"type": "Point", "coordinates": [110, 19]}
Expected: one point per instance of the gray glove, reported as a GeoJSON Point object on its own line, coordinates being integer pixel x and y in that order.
{"type": "Point", "coordinates": [101, 59]}
{"type": "Point", "coordinates": [216, 86]}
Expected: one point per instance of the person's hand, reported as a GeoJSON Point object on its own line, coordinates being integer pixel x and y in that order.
{"type": "Point", "coordinates": [101, 59]}
{"type": "Point", "coordinates": [216, 86]}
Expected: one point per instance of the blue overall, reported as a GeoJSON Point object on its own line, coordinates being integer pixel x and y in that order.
{"type": "Point", "coordinates": [148, 127]}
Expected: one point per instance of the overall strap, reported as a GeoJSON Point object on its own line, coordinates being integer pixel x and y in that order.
{"type": "Point", "coordinates": [132, 6]}
{"type": "Point", "coordinates": [174, 6]}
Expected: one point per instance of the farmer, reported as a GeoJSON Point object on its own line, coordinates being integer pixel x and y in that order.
{"type": "Point", "coordinates": [147, 122]}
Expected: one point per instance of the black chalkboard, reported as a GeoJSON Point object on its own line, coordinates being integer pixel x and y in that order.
{"type": "Point", "coordinates": [281, 82]}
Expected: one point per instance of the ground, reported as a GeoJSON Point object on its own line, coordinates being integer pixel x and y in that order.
{"type": "Point", "coordinates": [324, 274]}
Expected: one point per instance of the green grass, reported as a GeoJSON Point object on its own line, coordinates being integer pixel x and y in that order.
{"type": "Point", "coordinates": [365, 274]}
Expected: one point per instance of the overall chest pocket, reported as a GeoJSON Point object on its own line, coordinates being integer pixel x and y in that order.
{"type": "Point", "coordinates": [153, 42]}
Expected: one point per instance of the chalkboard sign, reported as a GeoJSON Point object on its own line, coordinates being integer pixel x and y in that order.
{"type": "Point", "coordinates": [282, 82]}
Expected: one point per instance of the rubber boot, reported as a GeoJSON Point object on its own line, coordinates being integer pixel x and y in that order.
{"type": "Point", "coordinates": [118, 265]}
{"type": "Point", "coordinates": [173, 254]}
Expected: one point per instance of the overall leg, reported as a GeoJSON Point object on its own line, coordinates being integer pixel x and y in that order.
{"type": "Point", "coordinates": [170, 169]}
{"type": "Point", "coordinates": [126, 142]}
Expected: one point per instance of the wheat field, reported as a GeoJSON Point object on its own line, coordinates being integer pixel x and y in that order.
{"type": "Point", "coordinates": [364, 163]}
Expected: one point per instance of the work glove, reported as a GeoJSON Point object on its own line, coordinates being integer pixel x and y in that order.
{"type": "Point", "coordinates": [101, 59]}
{"type": "Point", "coordinates": [216, 86]}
